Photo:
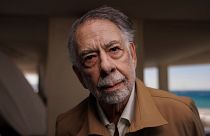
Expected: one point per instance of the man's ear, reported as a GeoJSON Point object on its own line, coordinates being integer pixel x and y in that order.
{"type": "Point", "coordinates": [79, 75]}
{"type": "Point", "coordinates": [133, 52]}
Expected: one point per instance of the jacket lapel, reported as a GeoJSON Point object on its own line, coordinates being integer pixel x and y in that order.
{"type": "Point", "coordinates": [95, 127]}
{"type": "Point", "coordinates": [146, 112]}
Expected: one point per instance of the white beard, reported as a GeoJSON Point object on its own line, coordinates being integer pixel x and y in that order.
{"type": "Point", "coordinates": [116, 96]}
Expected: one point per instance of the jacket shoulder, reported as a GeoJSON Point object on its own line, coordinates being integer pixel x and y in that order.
{"type": "Point", "coordinates": [178, 111]}
{"type": "Point", "coordinates": [70, 122]}
{"type": "Point", "coordinates": [160, 95]}
{"type": "Point", "coordinates": [167, 101]}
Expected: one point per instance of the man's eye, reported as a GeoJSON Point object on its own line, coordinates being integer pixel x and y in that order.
{"type": "Point", "coordinates": [89, 60]}
{"type": "Point", "coordinates": [114, 49]}
{"type": "Point", "coordinates": [89, 57]}
{"type": "Point", "coordinates": [115, 52]}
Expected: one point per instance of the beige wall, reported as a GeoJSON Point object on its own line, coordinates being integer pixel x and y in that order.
{"type": "Point", "coordinates": [62, 87]}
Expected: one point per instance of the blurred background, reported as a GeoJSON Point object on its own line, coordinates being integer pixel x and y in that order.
{"type": "Point", "coordinates": [36, 79]}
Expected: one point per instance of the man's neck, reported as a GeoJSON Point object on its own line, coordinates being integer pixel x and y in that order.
{"type": "Point", "coordinates": [114, 111]}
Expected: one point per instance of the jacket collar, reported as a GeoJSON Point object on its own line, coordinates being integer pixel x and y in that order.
{"type": "Point", "coordinates": [146, 114]}
{"type": "Point", "coordinates": [94, 124]}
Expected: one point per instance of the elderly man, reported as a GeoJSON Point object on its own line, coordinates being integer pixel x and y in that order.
{"type": "Point", "coordinates": [103, 53]}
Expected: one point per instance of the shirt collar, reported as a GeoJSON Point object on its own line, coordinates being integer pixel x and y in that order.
{"type": "Point", "coordinates": [128, 112]}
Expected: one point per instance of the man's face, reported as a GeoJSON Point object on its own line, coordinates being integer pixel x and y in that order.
{"type": "Point", "coordinates": [107, 61]}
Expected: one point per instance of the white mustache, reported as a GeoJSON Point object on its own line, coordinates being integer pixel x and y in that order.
{"type": "Point", "coordinates": [110, 80]}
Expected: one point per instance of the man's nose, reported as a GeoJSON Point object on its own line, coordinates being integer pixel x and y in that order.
{"type": "Point", "coordinates": [107, 65]}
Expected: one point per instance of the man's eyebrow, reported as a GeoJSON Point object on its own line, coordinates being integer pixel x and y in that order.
{"type": "Point", "coordinates": [86, 51]}
{"type": "Point", "coordinates": [111, 43]}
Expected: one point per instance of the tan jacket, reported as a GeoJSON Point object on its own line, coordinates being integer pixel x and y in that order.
{"type": "Point", "coordinates": [157, 113]}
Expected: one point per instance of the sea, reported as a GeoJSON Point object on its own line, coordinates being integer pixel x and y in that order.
{"type": "Point", "coordinates": [200, 97]}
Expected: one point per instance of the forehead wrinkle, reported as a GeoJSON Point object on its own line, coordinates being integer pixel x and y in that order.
{"type": "Point", "coordinates": [94, 43]}
{"type": "Point", "coordinates": [95, 48]}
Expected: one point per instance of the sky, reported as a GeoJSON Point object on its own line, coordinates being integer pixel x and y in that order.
{"type": "Point", "coordinates": [188, 77]}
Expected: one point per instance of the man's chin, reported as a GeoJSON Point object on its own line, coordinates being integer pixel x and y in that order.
{"type": "Point", "coordinates": [114, 98]}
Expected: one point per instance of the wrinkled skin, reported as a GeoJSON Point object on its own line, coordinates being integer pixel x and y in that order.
{"type": "Point", "coordinates": [107, 61]}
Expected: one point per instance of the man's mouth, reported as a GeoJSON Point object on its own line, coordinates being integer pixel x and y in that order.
{"type": "Point", "coordinates": [112, 87]}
